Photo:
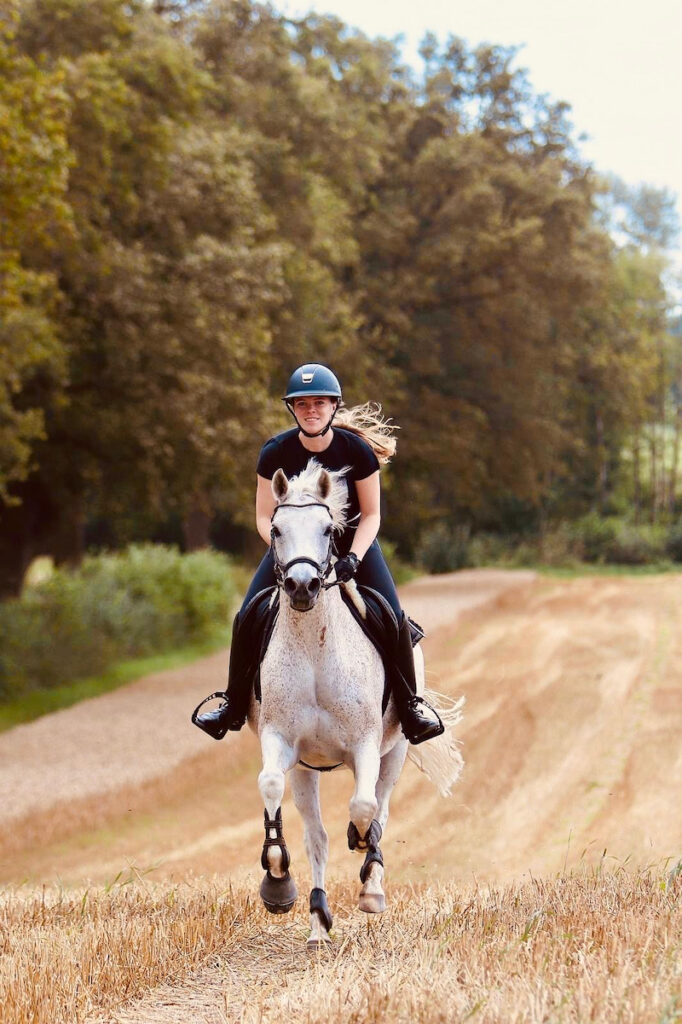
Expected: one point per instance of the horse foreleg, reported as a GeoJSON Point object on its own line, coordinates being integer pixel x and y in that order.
{"type": "Point", "coordinates": [278, 890]}
{"type": "Point", "coordinates": [363, 803]}
{"type": "Point", "coordinates": [372, 898]}
{"type": "Point", "coordinates": [305, 788]}
{"type": "Point", "coordinates": [364, 831]}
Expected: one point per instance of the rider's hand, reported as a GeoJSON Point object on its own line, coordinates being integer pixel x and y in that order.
{"type": "Point", "coordinates": [347, 567]}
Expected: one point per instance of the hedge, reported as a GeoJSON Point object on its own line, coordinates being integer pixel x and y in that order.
{"type": "Point", "coordinates": [146, 600]}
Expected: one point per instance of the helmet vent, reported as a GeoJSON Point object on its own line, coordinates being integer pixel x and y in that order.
{"type": "Point", "coordinates": [307, 377]}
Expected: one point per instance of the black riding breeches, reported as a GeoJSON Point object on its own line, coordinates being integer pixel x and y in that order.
{"type": "Point", "coordinates": [373, 572]}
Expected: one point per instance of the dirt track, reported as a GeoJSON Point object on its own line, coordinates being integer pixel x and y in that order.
{"type": "Point", "coordinates": [572, 740]}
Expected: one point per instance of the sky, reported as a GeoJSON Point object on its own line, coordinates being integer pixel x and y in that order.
{"type": "Point", "coordinates": [616, 62]}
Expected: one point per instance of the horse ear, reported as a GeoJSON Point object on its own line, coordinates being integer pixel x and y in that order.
{"type": "Point", "coordinates": [280, 485]}
{"type": "Point", "coordinates": [324, 484]}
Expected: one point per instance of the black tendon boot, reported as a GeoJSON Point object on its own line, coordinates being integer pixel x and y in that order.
{"type": "Point", "coordinates": [231, 715]}
{"type": "Point", "coordinates": [419, 720]}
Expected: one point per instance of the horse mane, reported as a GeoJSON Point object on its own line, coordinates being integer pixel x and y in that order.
{"type": "Point", "coordinates": [306, 486]}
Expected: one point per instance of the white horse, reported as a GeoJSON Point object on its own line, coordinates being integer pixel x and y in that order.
{"type": "Point", "coordinates": [322, 684]}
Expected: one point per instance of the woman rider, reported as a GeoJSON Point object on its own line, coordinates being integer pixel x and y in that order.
{"type": "Point", "coordinates": [313, 397]}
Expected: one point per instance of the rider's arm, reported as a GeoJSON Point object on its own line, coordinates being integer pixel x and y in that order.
{"type": "Point", "coordinates": [265, 506]}
{"type": "Point", "coordinates": [369, 498]}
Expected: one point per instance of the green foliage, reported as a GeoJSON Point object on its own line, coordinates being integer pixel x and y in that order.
{"type": "Point", "coordinates": [197, 197]}
{"type": "Point", "coordinates": [594, 537]}
{"type": "Point", "coordinates": [611, 540]}
{"type": "Point", "coordinates": [444, 548]}
{"type": "Point", "coordinates": [401, 571]}
{"type": "Point", "coordinates": [633, 545]}
{"type": "Point", "coordinates": [35, 703]}
{"type": "Point", "coordinates": [590, 540]}
{"type": "Point", "coordinates": [119, 606]}
{"type": "Point", "coordinates": [34, 159]}
{"type": "Point", "coordinates": [673, 544]}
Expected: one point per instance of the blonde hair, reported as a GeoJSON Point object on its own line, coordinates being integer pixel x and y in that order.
{"type": "Point", "coordinates": [368, 423]}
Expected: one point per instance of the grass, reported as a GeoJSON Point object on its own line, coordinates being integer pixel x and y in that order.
{"type": "Point", "coordinates": [42, 702]}
{"type": "Point", "coordinates": [592, 945]}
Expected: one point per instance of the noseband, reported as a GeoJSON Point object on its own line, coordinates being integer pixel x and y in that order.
{"type": "Point", "coordinates": [322, 570]}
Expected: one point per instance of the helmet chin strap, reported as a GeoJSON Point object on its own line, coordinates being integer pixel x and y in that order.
{"type": "Point", "coordinates": [320, 433]}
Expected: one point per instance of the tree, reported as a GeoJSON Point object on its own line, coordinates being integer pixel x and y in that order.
{"type": "Point", "coordinates": [34, 158]}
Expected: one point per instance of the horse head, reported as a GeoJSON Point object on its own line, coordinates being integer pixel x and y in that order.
{"type": "Point", "coordinates": [302, 533]}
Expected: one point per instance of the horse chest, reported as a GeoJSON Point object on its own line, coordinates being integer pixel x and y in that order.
{"type": "Point", "coordinates": [339, 679]}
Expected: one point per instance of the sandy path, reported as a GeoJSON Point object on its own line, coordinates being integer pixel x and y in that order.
{"type": "Point", "coordinates": [572, 742]}
{"type": "Point", "coordinates": [132, 736]}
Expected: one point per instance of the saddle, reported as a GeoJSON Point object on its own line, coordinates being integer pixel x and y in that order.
{"type": "Point", "coordinates": [368, 607]}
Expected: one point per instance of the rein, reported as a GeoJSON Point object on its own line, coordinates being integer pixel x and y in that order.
{"type": "Point", "coordinates": [322, 569]}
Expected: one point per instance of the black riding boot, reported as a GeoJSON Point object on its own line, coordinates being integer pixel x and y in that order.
{"type": "Point", "coordinates": [231, 715]}
{"type": "Point", "coordinates": [418, 719]}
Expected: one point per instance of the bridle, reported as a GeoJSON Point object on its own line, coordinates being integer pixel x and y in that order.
{"type": "Point", "coordinates": [322, 569]}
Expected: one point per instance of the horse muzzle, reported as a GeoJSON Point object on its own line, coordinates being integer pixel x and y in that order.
{"type": "Point", "coordinates": [302, 594]}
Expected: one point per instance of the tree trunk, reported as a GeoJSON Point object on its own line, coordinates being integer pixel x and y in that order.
{"type": "Point", "coordinates": [67, 543]}
{"type": "Point", "coordinates": [15, 558]}
{"type": "Point", "coordinates": [602, 470]}
{"type": "Point", "coordinates": [653, 479]}
{"type": "Point", "coordinates": [672, 487]}
{"type": "Point", "coordinates": [196, 525]}
{"type": "Point", "coordinates": [636, 469]}
{"type": "Point", "coordinates": [40, 524]}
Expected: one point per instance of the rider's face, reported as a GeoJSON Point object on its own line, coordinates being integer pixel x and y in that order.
{"type": "Point", "coordinates": [313, 412]}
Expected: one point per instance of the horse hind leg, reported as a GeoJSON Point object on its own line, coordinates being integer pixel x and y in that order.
{"type": "Point", "coordinates": [278, 889]}
{"type": "Point", "coordinates": [372, 899]}
{"type": "Point", "coordinates": [305, 788]}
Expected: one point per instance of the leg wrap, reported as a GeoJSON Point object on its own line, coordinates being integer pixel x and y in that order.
{"type": "Point", "coordinates": [278, 840]}
{"type": "Point", "coordinates": [371, 839]}
{"type": "Point", "coordinates": [373, 857]}
{"type": "Point", "coordinates": [319, 906]}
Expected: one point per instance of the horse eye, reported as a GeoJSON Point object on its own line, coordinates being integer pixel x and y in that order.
{"type": "Point", "coordinates": [328, 530]}
{"type": "Point", "coordinates": [275, 532]}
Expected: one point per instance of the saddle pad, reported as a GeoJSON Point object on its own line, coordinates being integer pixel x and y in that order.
{"type": "Point", "coordinates": [378, 623]}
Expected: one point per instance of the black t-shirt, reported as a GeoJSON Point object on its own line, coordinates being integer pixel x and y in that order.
{"type": "Point", "coordinates": [286, 452]}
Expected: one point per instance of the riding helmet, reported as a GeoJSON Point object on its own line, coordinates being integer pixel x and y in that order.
{"type": "Point", "coordinates": [312, 379]}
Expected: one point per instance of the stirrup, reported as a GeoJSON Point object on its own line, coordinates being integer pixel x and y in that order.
{"type": "Point", "coordinates": [416, 726]}
{"type": "Point", "coordinates": [216, 723]}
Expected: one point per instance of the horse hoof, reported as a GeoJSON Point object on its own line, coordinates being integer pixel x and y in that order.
{"type": "Point", "coordinates": [372, 902]}
{"type": "Point", "coordinates": [278, 894]}
{"type": "Point", "coordinates": [318, 945]}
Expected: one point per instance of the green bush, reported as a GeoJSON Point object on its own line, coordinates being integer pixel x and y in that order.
{"type": "Point", "coordinates": [401, 571]}
{"type": "Point", "coordinates": [636, 545]}
{"type": "Point", "coordinates": [490, 549]}
{"type": "Point", "coordinates": [673, 543]}
{"type": "Point", "coordinates": [594, 537]}
{"type": "Point", "coordinates": [444, 548]}
{"type": "Point", "coordinates": [74, 624]}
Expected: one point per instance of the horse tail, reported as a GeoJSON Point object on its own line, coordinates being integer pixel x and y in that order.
{"type": "Point", "coordinates": [440, 759]}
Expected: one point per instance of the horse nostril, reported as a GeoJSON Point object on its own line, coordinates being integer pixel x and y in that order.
{"type": "Point", "coordinates": [313, 586]}
{"type": "Point", "coordinates": [290, 586]}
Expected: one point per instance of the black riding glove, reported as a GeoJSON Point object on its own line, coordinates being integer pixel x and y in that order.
{"type": "Point", "coordinates": [347, 567]}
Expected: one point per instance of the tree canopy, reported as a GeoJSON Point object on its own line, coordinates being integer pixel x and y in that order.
{"type": "Point", "coordinates": [199, 196]}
